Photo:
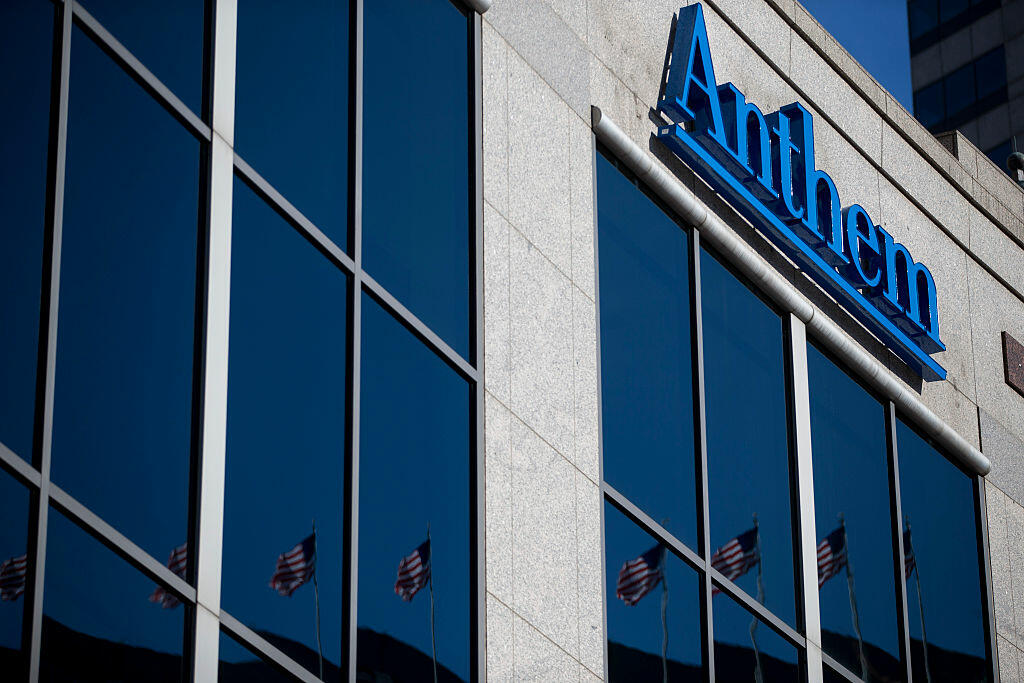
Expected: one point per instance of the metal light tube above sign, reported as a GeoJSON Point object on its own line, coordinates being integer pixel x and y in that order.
{"type": "Point", "coordinates": [765, 166]}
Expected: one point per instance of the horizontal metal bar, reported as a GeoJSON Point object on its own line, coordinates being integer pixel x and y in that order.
{"type": "Point", "coordinates": [752, 605]}
{"type": "Point", "coordinates": [625, 506]}
{"type": "Point", "coordinates": [140, 73]}
{"type": "Point", "coordinates": [120, 544]}
{"type": "Point", "coordinates": [19, 469]}
{"type": "Point", "coordinates": [260, 646]}
{"type": "Point", "coordinates": [417, 327]}
{"type": "Point", "coordinates": [296, 218]}
{"type": "Point", "coordinates": [693, 211]}
{"type": "Point", "coordinates": [839, 668]}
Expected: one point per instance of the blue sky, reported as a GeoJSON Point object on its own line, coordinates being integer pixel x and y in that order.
{"type": "Point", "coordinates": [875, 33]}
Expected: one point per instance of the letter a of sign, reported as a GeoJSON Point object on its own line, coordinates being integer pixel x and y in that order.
{"type": "Point", "coordinates": [697, 73]}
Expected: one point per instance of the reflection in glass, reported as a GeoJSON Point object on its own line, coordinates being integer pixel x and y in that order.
{"type": "Point", "coordinates": [747, 650]}
{"type": "Point", "coordinates": [646, 366]}
{"type": "Point", "coordinates": [929, 105]}
{"type": "Point", "coordinates": [26, 30]}
{"type": "Point", "coordinates": [98, 623]}
{"type": "Point", "coordinates": [748, 467]}
{"type": "Point", "coordinates": [416, 210]}
{"type": "Point", "coordinates": [123, 402]}
{"type": "Point", "coordinates": [413, 483]}
{"type": "Point", "coordinates": [167, 37]}
{"type": "Point", "coordinates": [960, 92]}
{"type": "Point", "coordinates": [942, 565]}
{"type": "Point", "coordinates": [990, 72]}
{"type": "Point", "coordinates": [15, 571]}
{"type": "Point", "coordinates": [653, 602]}
{"type": "Point", "coordinates": [857, 593]}
{"type": "Point", "coordinates": [239, 665]}
{"type": "Point", "coordinates": [286, 431]}
{"type": "Point", "coordinates": [291, 93]}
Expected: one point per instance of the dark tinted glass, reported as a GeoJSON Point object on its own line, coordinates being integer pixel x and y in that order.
{"type": "Point", "coordinates": [746, 650]}
{"type": "Point", "coordinates": [923, 17]}
{"type": "Point", "coordinates": [950, 9]}
{"type": "Point", "coordinates": [123, 402]}
{"type": "Point", "coordinates": [291, 120]}
{"type": "Point", "coordinates": [930, 105]}
{"type": "Point", "coordinates": [636, 631]}
{"type": "Point", "coordinates": [239, 665]}
{"type": "Point", "coordinates": [98, 621]}
{"type": "Point", "coordinates": [167, 37]}
{"type": "Point", "coordinates": [416, 213]}
{"type": "Point", "coordinates": [14, 572]}
{"type": "Point", "coordinates": [748, 467]}
{"type": "Point", "coordinates": [831, 676]}
{"type": "Point", "coordinates": [286, 429]}
{"type": "Point", "coordinates": [646, 367]}
{"type": "Point", "coordinates": [26, 30]}
{"type": "Point", "coordinates": [414, 472]}
{"type": "Point", "coordinates": [960, 92]}
{"type": "Point", "coordinates": [942, 555]}
{"type": "Point", "coordinates": [990, 72]}
{"type": "Point", "coordinates": [851, 488]}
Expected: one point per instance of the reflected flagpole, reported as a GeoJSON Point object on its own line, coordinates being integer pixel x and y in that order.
{"type": "Point", "coordinates": [430, 585]}
{"type": "Point", "coordinates": [316, 597]}
{"type": "Point", "coordinates": [664, 619]}
{"type": "Point", "coordinates": [758, 675]}
{"type": "Point", "coordinates": [853, 602]}
{"type": "Point", "coordinates": [920, 598]}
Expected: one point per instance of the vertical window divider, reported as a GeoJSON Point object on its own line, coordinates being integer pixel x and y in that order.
{"type": "Point", "coordinates": [796, 336]}
{"type": "Point", "coordinates": [349, 617]}
{"type": "Point", "coordinates": [988, 602]}
{"type": "Point", "coordinates": [209, 527]}
{"type": "Point", "coordinates": [43, 438]}
{"type": "Point", "coordinates": [700, 436]}
{"type": "Point", "coordinates": [478, 599]}
{"type": "Point", "coordinates": [898, 549]}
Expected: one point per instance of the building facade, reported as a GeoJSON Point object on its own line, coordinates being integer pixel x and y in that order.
{"type": "Point", "coordinates": [967, 70]}
{"type": "Point", "coordinates": [549, 340]}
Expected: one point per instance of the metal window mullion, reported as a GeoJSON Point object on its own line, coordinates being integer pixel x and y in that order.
{"type": "Point", "coordinates": [263, 648]}
{"type": "Point", "coordinates": [896, 507]}
{"type": "Point", "coordinates": [350, 593]}
{"type": "Point", "coordinates": [700, 442]}
{"type": "Point", "coordinates": [43, 439]}
{"type": "Point", "coordinates": [801, 436]}
{"type": "Point", "coordinates": [988, 604]}
{"type": "Point", "coordinates": [18, 468]}
{"type": "Point", "coordinates": [213, 438]}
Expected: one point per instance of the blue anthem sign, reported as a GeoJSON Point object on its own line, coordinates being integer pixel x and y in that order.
{"type": "Point", "coordinates": [765, 166]}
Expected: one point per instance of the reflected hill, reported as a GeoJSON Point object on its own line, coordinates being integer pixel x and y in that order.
{"type": "Point", "coordinates": [87, 659]}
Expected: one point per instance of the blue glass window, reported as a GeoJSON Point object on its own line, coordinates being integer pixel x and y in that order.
{"type": "Point", "coordinates": [638, 628]}
{"type": "Point", "coordinates": [930, 105]}
{"type": "Point", "coordinates": [959, 88]}
{"type": "Point", "coordinates": [748, 468]}
{"type": "Point", "coordinates": [26, 30]}
{"type": "Point", "coordinates": [646, 364]}
{"type": "Point", "coordinates": [122, 429]}
{"type": "Point", "coordinates": [167, 37]}
{"type": "Point", "coordinates": [99, 623]}
{"type": "Point", "coordinates": [413, 473]}
{"type": "Point", "coordinates": [416, 175]}
{"type": "Point", "coordinates": [942, 563]}
{"type": "Point", "coordinates": [851, 494]}
{"type": "Point", "coordinates": [240, 665]}
{"type": "Point", "coordinates": [923, 17]}
{"type": "Point", "coordinates": [748, 650]}
{"type": "Point", "coordinates": [990, 73]}
{"type": "Point", "coordinates": [286, 428]}
{"type": "Point", "coordinates": [15, 571]}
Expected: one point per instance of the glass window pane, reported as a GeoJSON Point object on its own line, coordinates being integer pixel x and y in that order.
{"type": "Point", "coordinates": [167, 37]}
{"type": "Point", "coordinates": [239, 665]}
{"type": "Point", "coordinates": [942, 560]}
{"type": "Point", "coordinates": [951, 9]}
{"type": "Point", "coordinates": [414, 476]}
{"type": "Point", "coordinates": [636, 629]}
{"type": "Point", "coordinates": [930, 105]}
{"type": "Point", "coordinates": [26, 30]}
{"type": "Point", "coordinates": [748, 468]}
{"type": "Point", "coordinates": [923, 17]}
{"type": "Point", "coordinates": [291, 93]}
{"type": "Point", "coordinates": [747, 650]}
{"type": "Point", "coordinates": [990, 72]}
{"type": "Point", "coordinates": [123, 402]}
{"type": "Point", "coordinates": [646, 366]}
{"type": "Point", "coordinates": [99, 622]}
{"type": "Point", "coordinates": [15, 570]}
{"type": "Point", "coordinates": [960, 92]}
{"type": "Point", "coordinates": [851, 493]}
{"type": "Point", "coordinates": [416, 213]}
{"type": "Point", "coordinates": [286, 429]}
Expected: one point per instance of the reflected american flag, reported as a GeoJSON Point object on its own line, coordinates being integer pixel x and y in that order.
{"type": "Point", "coordinates": [295, 567]}
{"type": "Point", "coordinates": [12, 577]}
{"type": "Point", "coordinates": [638, 577]}
{"type": "Point", "coordinates": [831, 555]}
{"type": "Point", "coordinates": [176, 563]}
{"type": "Point", "coordinates": [737, 557]}
{"type": "Point", "coordinates": [413, 572]}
